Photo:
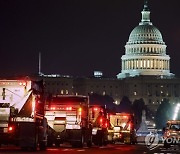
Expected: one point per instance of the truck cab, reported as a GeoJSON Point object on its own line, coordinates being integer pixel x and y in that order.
{"type": "Point", "coordinates": [123, 128]}
{"type": "Point", "coordinates": [100, 124]}
{"type": "Point", "coordinates": [171, 133]}
{"type": "Point", "coordinates": [22, 119]}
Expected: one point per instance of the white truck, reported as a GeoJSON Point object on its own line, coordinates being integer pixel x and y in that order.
{"type": "Point", "coordinates": [122, 128]}
{"type": "Point", "coordinates": [68, 120]}
{"type": "Point", "coordinates": [22, 121]}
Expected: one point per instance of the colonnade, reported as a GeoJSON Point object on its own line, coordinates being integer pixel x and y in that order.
{"type": "Point", "coordinates": [145, 64]}
{"type": "Point", "coordinates": [139, 50]}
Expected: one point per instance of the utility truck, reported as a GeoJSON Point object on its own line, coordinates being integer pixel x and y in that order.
{"type": "Point", "coordinates": [22, 121]}
{"type": "Point", "coordinates": [123, 128]}
{"type": "Point", "coordinates": [68, 120]}
{"type": "Point", "coordinates": [99, 124]}
{"type": "Point", "coordinates": [171, 134]}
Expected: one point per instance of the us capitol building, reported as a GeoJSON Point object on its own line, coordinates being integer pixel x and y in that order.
{"type": "Point", "coordinates": [145, 71]}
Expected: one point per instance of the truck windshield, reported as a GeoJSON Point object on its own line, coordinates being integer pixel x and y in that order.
{"type": "Point", "coordinates": [4, 114]}
{"type": "Point", "coordinates": [175, 127]}
{"type": "Point", "coordinates": [4, 105]}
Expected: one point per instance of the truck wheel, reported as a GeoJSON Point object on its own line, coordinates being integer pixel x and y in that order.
{"type": "Point", "coordinates": [89, 143]}
{"type": "Point", "coordinates": [100, 138]}
{"type": "Point", "coordinates": [57, 144]}
{"type": "Point", "coordinates": [42, 145]}
{"type": "Point", "coordinates": [81, 142]}
{"type": "Point", "coordinates": [24, 148]}
{"type": "Point", "coordinates": [34, 147]}
{"type": "Point", "coordinates": [166, 145]}
{"type": "Point", "coordinates": [49, 143]}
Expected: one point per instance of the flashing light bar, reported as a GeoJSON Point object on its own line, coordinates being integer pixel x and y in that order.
{"type": "Point", "coordinates": [69, 108]}
{"type": "Point", "coordinates": [53, 108]}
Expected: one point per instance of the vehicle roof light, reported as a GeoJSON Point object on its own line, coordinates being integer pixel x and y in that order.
{"type": "Point", "coordinates": [69, 108]}
{"type": "Point", "coordinates": [53, 108]}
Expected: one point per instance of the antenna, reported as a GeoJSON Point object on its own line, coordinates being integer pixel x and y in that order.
{"type": "Point", "coordinates": [39, 64]}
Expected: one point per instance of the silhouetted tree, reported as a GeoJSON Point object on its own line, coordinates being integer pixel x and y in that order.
{"type": "Point", "coordinates": [125, 105]}
{"type": "Point", "coordinates": [164, 113]}
{"type": "Point", "coordinates": [138, 106]}
{"type": "Point", "coordinates": [96, 99]}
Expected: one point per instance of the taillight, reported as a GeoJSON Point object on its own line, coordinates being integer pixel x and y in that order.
{"type": "Point", "coordinates": [101, 120]}
{"type": "Point", "coordinates": [120, 135]}
{"type": "Point", "coordinates": [10, 129]}
{"type": "Point", "coordinates": [80, 111]}
{"type": "Point", "coordinates": [106, 124]}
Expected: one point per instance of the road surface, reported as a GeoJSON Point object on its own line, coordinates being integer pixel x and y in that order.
{"type": "Point", "coordinates": [109, 149]}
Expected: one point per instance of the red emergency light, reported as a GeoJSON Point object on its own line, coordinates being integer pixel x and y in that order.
{"type": "Point", "coordinates": [120, 135]}
{"type": "Point", "coordinates": [106, 124]}
{"type": "Point", "coordinates": [95, 109]}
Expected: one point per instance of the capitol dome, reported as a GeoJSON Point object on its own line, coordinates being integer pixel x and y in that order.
{"type": "Point", "coordinates": [145, 51]}
{"type": "Point", "coordinates": [145, 34]}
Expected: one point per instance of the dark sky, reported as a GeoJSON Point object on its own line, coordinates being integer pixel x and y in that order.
{"type": "Point", "coordinates": [77, 37]}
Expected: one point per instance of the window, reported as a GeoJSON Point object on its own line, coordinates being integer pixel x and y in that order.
{"type": "Point", "coordinates": [62, 92]}
{"type": "Point", "coordinates": [67, 92]}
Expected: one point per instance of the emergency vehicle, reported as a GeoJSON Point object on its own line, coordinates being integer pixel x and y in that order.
{"type": "Point", "coordinates": [123, 128]}
{"type": "Point", "coordinates": [68, 120]}
{"type": "Point", "coordinates": [22, 121]}
{"type": "Point", "coordinates": [171, 133]}
{"type": "Point", "coordinates": [100, 124]}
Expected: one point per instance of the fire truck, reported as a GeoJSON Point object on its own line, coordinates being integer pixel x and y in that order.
{"type": "Point", "coordinates": [99, 124]}
{"type": "Point", "coordinates": [68, 120]}
{"type": "Point", "coordinates": [22, 121]}
{"type": "Point", "coordinates": [123, 128]}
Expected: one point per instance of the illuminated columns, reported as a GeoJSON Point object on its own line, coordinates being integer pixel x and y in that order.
{"type": "Point", "coordinates": [151, 64]}
{"type": "Point", "coordinates": [168, 64]}
{"type": "Point", "coordinates": [122, 64]}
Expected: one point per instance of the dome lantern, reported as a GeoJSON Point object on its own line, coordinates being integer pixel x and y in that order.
{"type": "Point", "coordinates": [145, 14]}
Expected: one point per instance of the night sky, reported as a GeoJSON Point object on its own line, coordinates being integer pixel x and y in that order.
{"type": "Point", "coordinates": [76, 37]}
